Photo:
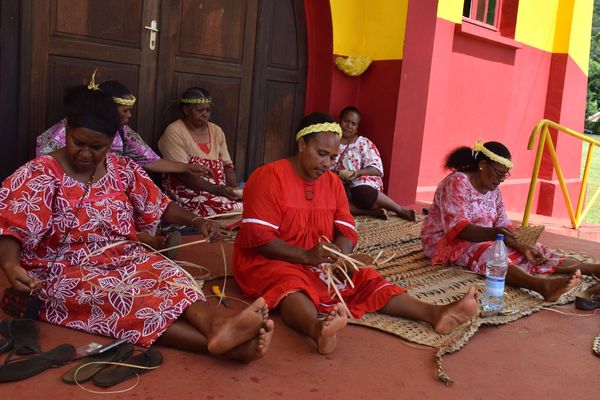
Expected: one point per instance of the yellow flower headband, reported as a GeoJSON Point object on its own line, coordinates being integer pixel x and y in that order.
{"type": "Point", "coordinates": [479, 147]}
{"type": "Point", "coordinates": [125, 102]}
{"type": "Point", "coordinates": [198, 100]}
{"type": "Point", "coordinates": [322, 127]}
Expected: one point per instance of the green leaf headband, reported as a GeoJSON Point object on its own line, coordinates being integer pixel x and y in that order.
{"type": "Point", "coordinates": [322, 127]}
{"type": "Point", "coordinates": [198, 100]}
{"type": "Point", "coordinates": [479, 147]}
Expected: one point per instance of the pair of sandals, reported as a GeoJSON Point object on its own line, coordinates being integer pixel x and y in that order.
{"type": "Point", "coordinates": [102, 371]}
{"type": "Point", "coordinates": [588, 299]}
{"type": "Point", "coordinates": [21, 339]}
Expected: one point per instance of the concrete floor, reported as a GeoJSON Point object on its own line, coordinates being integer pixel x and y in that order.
{"type": "Point", "coordinates": [546, 355]}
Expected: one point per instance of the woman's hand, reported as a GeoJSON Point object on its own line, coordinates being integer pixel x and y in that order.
{"type": "Point", "coordinates": [197, 169]}
{"type": "Point", "coordinates": [347, 175]}
{"type": "Point", "coordinates": [18, 277]}
{"type": "Point", "coordinates": [207, 228]}
{"type": "Point", "coordinates": [503, 230]}
{"type": "Point", "coordinates": [534, 256]}
{"type": "Point", "coordinates": [228, 192]}
{"type": "Point", "coordinates": [319, 255]}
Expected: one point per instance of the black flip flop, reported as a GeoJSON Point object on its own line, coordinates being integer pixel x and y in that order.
{"type": "Point", "coordinates": [588, 299]}
{"type": "Point", "coordinates": [19, 369]}
{"type": "Point", "coordinates": [112, 376]}
{"type": "Point", "coordinates": [5, 345]}
{"type": "Point", "coordinates": [24, 334]}
{"type": "Point", "coordinates": [87, 368]}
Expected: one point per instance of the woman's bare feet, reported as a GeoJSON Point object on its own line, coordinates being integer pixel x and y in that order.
{"type": "Point", "coordinates": [327, 329]}
{"type": "Point", "coordinates": [380, 213]}
{"type": "Point", "coordinates": [230, 332]}
{"type": "Point", "coordinates": [457, 313]}
{"type": "Point", "coordinates": [255, 348]}
{"type": "Point", "coordinates": [553, 288]}
{"type": "Point", "coordinates": [407, 213]}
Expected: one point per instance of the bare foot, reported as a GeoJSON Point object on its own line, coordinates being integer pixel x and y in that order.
{"type": "Point", "coordinates": [408, 214]}
{"type": "Point", "coordinates": [380, 213]}
{"type": "Point", "coordinates": [556, 287]}
{"type": "Point", "coordinates": [326, 336]}
{"type": "Point", "coordinates": [255, 348]}
{"type": "Point", "coordinates": [457, 313]}
{"type": "Point", "coordinates": [230, 332]}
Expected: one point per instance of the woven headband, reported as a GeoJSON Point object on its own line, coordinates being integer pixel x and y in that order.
{"type": "Point", "coordinates": [197, 100]}
{"type": "Point", "coordinates": [93, 85]}
{"type": "Point", "coordinates": [125, 102]}
{"type": "Point", "coordinates": [479, 147]}
{"type": "Point", "coordinates": [322, 127]}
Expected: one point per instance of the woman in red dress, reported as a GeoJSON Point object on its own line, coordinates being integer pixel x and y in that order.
{"type": "Point", "coordinates": [60, 211]}
{"type": "Point", "coordinates": [291, 207]}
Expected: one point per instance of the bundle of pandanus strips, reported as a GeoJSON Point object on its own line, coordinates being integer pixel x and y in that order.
{"type": "Point", "coordinates": [596, 345]}
{"type": "Point", "coordinates": [340, 269]}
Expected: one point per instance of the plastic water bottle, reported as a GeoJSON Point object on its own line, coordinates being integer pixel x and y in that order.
{"type": "Point", "coordinates": [492, 301]}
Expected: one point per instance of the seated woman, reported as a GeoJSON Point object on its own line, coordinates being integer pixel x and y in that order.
{"type": "Point", "coordinates": [60, 211]}
{"type": "Point", "coordinates": [126, 143]}
{"type": "Point", "coordinates": [360, 167]}
{"type": "Point", "coordinates": [194, 139]}
{"type": "Point", "coordinates": [292, 209]}
{"type": "Point", "coordinates": [467, 213]}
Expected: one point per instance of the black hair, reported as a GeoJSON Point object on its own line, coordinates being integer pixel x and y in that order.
{"type": "Point", "coordinates": [348, 109]}
{"type": "Point", "coordinates": [311, 119]}
{"type": "Point", "coordinates": [462, 159]}
{"type": "Point", "coordinates": [92, 109]}
{"type": "Point", "coordinates": [193, 92]}
{"type": "Point", "coordinates": [114, 89]}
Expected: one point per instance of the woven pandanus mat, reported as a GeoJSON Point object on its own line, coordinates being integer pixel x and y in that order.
{"type": "Point", "coordinates": [397, 247]}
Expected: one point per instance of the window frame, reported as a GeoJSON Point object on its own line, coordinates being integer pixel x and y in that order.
{"type": "Point", "coordinates": [475, 5]}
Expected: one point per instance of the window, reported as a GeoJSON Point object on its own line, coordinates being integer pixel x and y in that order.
{"type": "Point", "coordinates": [486, 12]}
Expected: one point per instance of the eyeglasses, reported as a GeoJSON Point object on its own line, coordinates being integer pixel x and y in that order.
{"type": "Point", "coordinates": [500, 174]}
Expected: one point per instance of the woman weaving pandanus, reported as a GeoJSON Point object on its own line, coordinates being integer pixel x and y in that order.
{"type": "Point", "coordinates": [194, 139]}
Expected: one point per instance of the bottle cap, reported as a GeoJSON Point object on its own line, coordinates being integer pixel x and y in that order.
{"type": "Point", "coordinates": [499, 236]}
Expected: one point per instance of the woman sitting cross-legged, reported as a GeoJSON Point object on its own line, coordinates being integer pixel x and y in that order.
{"type": "Point", "coordinates": [293, 208]}
{"type": "Point", "coordinates": [359, 166]}
{"type": "Point", "coordinates": [67, 234]}
{"type": "Point", "coordinates": [467, 213]}
{"type": "Point", "coordinates": [194, 139]}
{"type": "Point", "coordinates": [126, 143]}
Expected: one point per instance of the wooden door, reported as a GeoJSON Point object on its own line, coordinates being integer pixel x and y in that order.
{"type": "Point", "coordinates": [279, 82]}
{"type": "Point", "coordinates": [210, 44]}
{"type": "Point", "coordinates": [71, 38]}
{"type": "Point", "coordinates": [11, 151]}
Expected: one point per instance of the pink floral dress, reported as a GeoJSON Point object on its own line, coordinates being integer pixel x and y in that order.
{"type": "Point", "coordinates": [135, 148]}
{"type": "Point", "coordinates": [360, 154]}
{"type": "Point", "coordinates": [123, 292]}
{"type": "Point", "coordinates": [457, 204]}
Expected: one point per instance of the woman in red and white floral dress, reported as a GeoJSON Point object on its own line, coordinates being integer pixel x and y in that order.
{"type": "Point", "coordinates": [359, 166]}
{"type": "Point", "coordinates": [58, 212]}
{"type": "Point", "coordinates": [194, 139]}
{"type": "Point", "coordinates": [468, 212]}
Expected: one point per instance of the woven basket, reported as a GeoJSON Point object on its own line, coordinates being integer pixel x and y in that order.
{"type": "Point", "coordinates": [529, 235]}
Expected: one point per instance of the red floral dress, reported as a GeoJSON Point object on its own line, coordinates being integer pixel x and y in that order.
{"type": "Point", "coordinates": [358, 155]}
{"type": "Point", "coordinates": [123, 292]}
{"type": "Point", "coordinates": [276, 206]}
{"type": "Point", "coordinates": [457, 204]}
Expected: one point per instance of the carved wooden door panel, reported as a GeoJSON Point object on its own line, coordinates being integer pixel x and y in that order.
{"type": "Point", "coordinates": [210, 44]}
{"type": "Point", "coordinates": [279, 82]}
{"type": "Point", "coordinates": [71, 38]}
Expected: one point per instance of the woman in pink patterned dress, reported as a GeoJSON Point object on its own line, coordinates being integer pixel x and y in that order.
{"type": "Point", "coordinates": [360, 168]}
{"type": "Point", "coordinates": [194, 139]}
{"type": "Point", "coordinates": [467, 213]}
{"type": "Point", "coordinates": [60, 211]}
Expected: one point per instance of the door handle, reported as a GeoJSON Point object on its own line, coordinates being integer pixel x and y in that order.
{"type": "Point", "coordinates": [153, 30]}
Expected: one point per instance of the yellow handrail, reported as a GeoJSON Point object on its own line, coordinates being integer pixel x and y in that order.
{"type": "Point", "coordinates": [545, 139]}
